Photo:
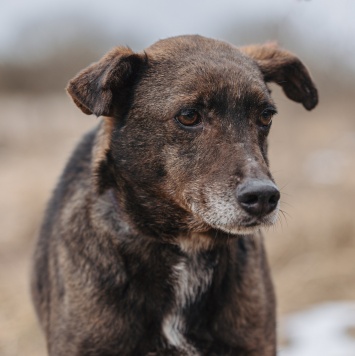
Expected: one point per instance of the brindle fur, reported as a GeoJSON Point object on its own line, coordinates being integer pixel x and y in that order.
{"type": "Point", "coordinates": [131, 259]}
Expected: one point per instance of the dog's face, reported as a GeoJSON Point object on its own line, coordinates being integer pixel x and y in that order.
{"type": "Point", "coordinates": [188, 125]}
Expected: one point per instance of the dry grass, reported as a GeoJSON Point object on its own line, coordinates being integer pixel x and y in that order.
{"type": "Point", "coordinates": [311, 249]}
{"type": "Point", "coordinates": [36, 137]}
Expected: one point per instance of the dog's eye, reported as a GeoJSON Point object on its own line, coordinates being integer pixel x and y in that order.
{"type": "Point", "coordinates": [266, 117]}
{"type": "Point", "coordinates": [189, 118]}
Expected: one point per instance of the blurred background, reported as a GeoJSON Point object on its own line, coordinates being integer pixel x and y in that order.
{"type": "Point", "coordinates": [312, 247]}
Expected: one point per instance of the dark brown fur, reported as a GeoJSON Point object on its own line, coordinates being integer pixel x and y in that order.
{"type": "Point", "coordinates": [140, 214]}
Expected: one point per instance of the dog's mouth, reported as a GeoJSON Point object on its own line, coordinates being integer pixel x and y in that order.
{"type": "Point", "coordinates": [244, 211]}
{"type": "Point", "coordinates": [254, 204]}
{"type": "Point", "coordinates": [248, 226]}
{"type": "Point", "coordinates": [236, 221]}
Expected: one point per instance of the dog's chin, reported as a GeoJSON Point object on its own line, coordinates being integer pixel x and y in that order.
{"type": "Point", "coordinates": [241, 224]}
{"type": "Point", "coordinates": [241, 228]}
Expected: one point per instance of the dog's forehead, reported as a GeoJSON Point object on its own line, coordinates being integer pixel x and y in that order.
{"type": "Point", "coordinates": [198, 64]}
{"type": "Point", "coordinates": [190, 45]}
{"type": "Point", "coordinates": [198, 51]}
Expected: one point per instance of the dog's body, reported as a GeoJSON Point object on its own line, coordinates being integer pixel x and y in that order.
{"type": "Point", "coordinates": [146, 248]}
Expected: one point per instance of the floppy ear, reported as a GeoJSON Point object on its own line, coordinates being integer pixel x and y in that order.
{"type": "Point", "coordinates": [286, 70]}
{"type": "Point", "coordinates": [93, 88]}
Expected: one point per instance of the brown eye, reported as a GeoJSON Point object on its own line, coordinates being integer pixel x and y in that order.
{"type": "Point", "coordinates": [189, 118]}
{"type": "Point", "coordinates": [266, 117]}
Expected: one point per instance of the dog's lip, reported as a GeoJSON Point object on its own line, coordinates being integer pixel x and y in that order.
{"type": "Point", "coordinates": [252, 224]}
{"type": "Point", "coordinates": [240, 229]}
{"type": "Point", "coordinates": [247, 227]}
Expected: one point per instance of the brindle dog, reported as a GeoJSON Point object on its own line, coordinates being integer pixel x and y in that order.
{"type": "Point", "coordinates": [151, 244]}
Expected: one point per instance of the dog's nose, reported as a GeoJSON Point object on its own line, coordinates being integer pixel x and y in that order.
{"type": "Point", "coordinates": [258, 197]}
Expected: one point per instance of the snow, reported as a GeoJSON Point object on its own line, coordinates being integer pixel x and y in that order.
{"type": "Point", "coordinates": [322, 330]}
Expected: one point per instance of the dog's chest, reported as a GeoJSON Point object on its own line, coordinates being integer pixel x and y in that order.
{"type": "Point", "coordinates": [192, 278]}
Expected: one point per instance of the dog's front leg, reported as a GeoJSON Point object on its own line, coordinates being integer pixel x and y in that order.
{"type": "Point", "coordinates": [244, 302]}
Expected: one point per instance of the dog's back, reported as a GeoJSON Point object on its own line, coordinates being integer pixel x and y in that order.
{"type": "Point", "coordinates": [75, 178]}
{"type": "Point", "coordinates": [151, 242]}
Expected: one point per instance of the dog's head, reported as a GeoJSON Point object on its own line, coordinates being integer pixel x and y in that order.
{"type": "Point", "coordinates": [186, 126]}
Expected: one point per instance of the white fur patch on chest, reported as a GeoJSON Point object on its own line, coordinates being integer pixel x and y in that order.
{"type": "Point", "coordinates": [192, 278]}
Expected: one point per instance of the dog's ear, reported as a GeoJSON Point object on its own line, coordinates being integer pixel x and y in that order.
{"type": "Point", "coordinates": [94, 88]}
{"type": "Point", "coordinates": [286, 70]}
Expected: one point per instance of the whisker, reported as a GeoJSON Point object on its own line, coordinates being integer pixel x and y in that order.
{"type": "Point", "coordinates": [286, 203]}
{"type": "Point", "coordinates": [279, 221]}
{"type": "Point", "coordinates": [284, 215]}
{"type": "Point", "coordinates": [284, 186]}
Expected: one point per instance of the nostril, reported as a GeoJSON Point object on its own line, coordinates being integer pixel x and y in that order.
{"type": "Point", "coordinates": [249, 199]}
{"type": "Point", "coordinates": [273, 200]}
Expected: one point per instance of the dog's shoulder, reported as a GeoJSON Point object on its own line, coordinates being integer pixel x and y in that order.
{"type": "Point", "coordinates": [76, 176]}
{"type": "Point", "coordinates": [66, 201]}
{"type": "Point", "coordinates": [79, 165]}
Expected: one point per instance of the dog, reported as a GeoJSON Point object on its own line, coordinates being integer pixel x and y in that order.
{"type": "Point", "coordinates": [151, 243]}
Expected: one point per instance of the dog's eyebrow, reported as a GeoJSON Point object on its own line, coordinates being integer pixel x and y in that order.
{"type": "Point", "coordinates": [259, 101]}
{"type": "Point", "coordinates": [268, 105]}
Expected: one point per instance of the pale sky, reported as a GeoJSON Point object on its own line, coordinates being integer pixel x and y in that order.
{"type": "Point", "coordinates": [325, 26]}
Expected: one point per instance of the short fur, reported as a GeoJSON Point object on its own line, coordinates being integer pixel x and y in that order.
{"type": "Point", "coordinates": [144, 249]}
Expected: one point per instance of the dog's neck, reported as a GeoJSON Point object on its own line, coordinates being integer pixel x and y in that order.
{"type": "Point", "coordinates": [194, 243]}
